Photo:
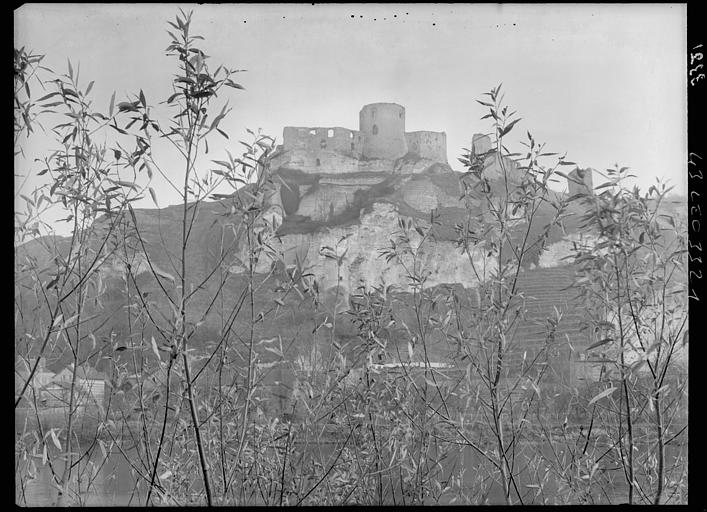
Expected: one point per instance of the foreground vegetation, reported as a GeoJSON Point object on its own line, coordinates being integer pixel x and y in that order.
{"type": "Point", "coordinates": [191, 402]}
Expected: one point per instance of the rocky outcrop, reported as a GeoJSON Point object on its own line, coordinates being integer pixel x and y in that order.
{"type": "Point", "coordinates": [362, 244]}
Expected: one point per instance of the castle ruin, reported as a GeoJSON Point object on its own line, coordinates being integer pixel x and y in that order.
{"type": "Point", "coordinates": [327, 174]}
{"type": "Point", "coordinates": [381, 136]}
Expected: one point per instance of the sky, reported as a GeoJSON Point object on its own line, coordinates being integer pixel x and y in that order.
{"type": "Point", "coordinates": [604, 83]}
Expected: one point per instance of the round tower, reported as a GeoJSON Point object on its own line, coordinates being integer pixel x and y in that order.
{"type": "Point", "coordinates": [382, 126]}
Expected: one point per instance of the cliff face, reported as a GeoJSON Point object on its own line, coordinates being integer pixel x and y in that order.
{"type": "Point", "coordinates": [362, 264]}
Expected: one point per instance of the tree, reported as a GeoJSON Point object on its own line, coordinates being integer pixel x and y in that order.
{"type": "Point", "coordinates": [632, 280]}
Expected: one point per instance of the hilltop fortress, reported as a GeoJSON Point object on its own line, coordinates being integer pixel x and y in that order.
{"type": "Point", "coordinates": [329, 173]}
{"type": "Point", "coordinates": [381, 136]}
{"type": "Point", "coordinates": [333, 183]}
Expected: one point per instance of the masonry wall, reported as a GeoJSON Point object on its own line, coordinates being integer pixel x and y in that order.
{"type": "Point", "coordinates": [326, 161]}
{"type": "Point", "coordinates": [431, 145]}
{"type": "Point", "coordinates": [383, 128]}
{"type": "Point", "coordinates": [315, 140]}
{"type": "Point", "coordinates": [580, 175]}
{"type": "Point", "coordinates": [337, 150]}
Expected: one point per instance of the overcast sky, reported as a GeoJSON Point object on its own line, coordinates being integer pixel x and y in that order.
{"type": "Point", "coordinates": [604, 83]}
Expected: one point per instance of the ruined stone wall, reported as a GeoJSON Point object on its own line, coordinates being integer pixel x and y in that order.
{"type": "Point", "coordinates": [584, 177]}
{"type": "Point", "coordinates": [315, 140]}
{"type": "Point", "coordinates": [481, 143]}
{"type": "Point", "coordinates": [383, 128]}
{"type": "Point", "coordinates": [493, 164]}
{"type": "Point", "coordinates": [431, 145]}
{"type": "Point", "coordinates": [495, 167]}
{"type": "Point", "coordinates": [326, 162]}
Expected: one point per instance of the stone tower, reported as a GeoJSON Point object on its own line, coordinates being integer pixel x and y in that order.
{"type": "Point", "coordinates": [584, 176]}
{"type": "Point", "coordinates": [382, 126]}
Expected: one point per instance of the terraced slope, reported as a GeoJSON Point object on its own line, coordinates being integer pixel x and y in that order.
{"type": "Point", "coordinates": [548, 294]}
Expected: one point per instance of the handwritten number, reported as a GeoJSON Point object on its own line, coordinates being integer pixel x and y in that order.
{"type": "Point", "coordinates": [695, 224]}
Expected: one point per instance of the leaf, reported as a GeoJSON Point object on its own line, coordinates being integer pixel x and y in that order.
{"type": "Point", "coordinates": [509, 127]}
{"type": "Point", "coordinates": [52, 283]}
{"type": "Point", "coordinates": [274, 351]}
{"type": "Point", "coordinates": [71, 70]}
{"type": "Point", "coordinates": [223, 164]}
{"type": "Point", "coordinates": [231, 83]}
{"type": "Point", "coordinates": [88, 89]}
{"type": "Point", "coordinates": [48, 96]}
{"type": "Point", "coordinates": [126, 106]}
{"type": "Point", "coordinates": [153, 343]}
{"type": "Point", "coordinates": [599, 343]}
{"type": "Point", "coordinates": [55, 439]}
{"type": "Point", "coordinates": [154, 196]}
{"type": "Point", "coordinates": [126, 184]}
{"type": "Point", "coordinates": [172, 97]}
{"type": "Point", "coordinates": [112, 105]}
{"type": "Point", "coordinates": [57, 320]}
{"type": "Point", "coordinates": [601, 395]}
{"type": "Point", "coordinates": [142, 98]}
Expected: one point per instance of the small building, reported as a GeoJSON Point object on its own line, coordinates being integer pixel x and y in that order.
{"type": "Point", "coordinates": [42, 377]}
{"type": "Point", "coordinates": [89, 389]}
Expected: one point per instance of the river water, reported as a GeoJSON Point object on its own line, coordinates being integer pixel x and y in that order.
{"type": "Point", "coordinates": [109, 483]}
{"type": "Point", "coordinates": [114, 484]}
